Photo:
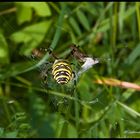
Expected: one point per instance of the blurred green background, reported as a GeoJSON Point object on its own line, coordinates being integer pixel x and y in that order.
{"type": "Point", "coordinates": [105, 30]}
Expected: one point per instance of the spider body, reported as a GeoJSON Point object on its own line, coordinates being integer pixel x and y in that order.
{"type": "Point", "coordinates": [62, 71]}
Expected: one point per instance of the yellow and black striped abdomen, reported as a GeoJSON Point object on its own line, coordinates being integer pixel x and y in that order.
{"type": "Point", "coordinates": [62, 71]}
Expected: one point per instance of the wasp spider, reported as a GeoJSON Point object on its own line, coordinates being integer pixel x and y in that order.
{"type": "Point", "coordinates": [62, 71]}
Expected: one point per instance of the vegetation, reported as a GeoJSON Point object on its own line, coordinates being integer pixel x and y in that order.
{"type": "Point", "coordinates": [104, 101]}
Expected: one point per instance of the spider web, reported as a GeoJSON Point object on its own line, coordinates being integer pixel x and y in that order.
{"type": "Point", "coordinates": [48, 83]}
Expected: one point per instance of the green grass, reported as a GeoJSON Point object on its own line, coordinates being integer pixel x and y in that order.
{"type": "Point", "coordinates": [105, 30]}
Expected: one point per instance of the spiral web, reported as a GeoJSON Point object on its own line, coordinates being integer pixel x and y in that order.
{"type": "Point", "coordinates": [48, 83]}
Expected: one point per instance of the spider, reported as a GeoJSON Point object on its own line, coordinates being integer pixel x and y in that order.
{"type": "Point", "coordinates": [61, 72]}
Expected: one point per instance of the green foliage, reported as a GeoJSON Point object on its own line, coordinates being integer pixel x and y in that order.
{"type": "Point", "coordinates": [25, 10]}
{"type": "Point", "coordinates": [31, 108]}
{"type": "Point", "coordinates": [31, 36]}
{"type": "Point", "coordinates": [83, 19]}
{"type": "Point", "coordinates": [4, 57]}
{"type": "Point", "coordinates": [133, 55]}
